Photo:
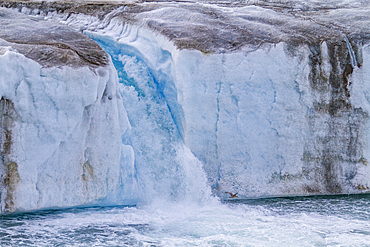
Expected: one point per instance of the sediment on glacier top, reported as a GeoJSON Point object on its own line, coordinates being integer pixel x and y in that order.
{"type": "Point", "coordinates": [223, 26]}
{"type": "Point", "coordinates": [47, 42]}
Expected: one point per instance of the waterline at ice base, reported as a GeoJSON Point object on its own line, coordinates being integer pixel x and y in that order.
{"type": "Point", "coordinates": [184, 123]}
{"type": "Point", "coordinates": [316, 221]}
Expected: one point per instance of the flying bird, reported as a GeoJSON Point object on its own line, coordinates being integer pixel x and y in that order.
{"type": "Point", "coordinates": [232, 195]}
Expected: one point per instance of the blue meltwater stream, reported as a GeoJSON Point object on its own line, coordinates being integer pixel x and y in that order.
{"type": "Point", "coordinates": [295, 221]}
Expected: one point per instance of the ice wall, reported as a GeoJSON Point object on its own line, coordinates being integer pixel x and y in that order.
{"type": "Point", "coordinates": [165, 167]}
{"type": "Point", "coordinates": [61, 126]}
{"type": "Point", "coordinates": [268, 100]}
{"type": "Point", "coordinates": [61, 131]}
{"type": "Point", "coordinates": [273, 122]}
{"type": "Point", "coordinates": [283, 119]}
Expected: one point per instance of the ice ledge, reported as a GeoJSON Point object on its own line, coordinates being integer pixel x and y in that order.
{"type": "Point", "coordinates": [48, 43]}
{"type": "Point", "coordinates": [61, 118]}
{"type": "Point", "coordinates": [224, 26]}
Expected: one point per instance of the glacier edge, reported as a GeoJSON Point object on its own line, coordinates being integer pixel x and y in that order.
{"type": "Point", "coordinates": [311, 78]}
{"type": "Point", "coordinates": [282, 119]}
{"type": "Point", "coordinates": [58, 147]}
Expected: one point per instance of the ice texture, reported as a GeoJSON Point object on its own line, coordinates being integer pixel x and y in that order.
{"type": "Point", "coordinates": [266, 129]}
{"type": "Point", "coordinates": [61, 131]}
{"type": "Point", "coordinates": [267, 118]}
{"type": "Point", "coordinates": [48, 42]}
{"type": "Point", "coordinates": [165, 167]}
{"type": "Point", "coordinates": [263, 98]}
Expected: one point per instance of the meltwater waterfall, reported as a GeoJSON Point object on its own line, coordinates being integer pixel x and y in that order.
{"type": "Point", "coordinates": [94, 140]}
{"type": "Point", "coordinates": [165, 167]}
{"type": "Point", "coordinates": [103, 104]}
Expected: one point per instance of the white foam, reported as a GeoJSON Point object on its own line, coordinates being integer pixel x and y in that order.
{"type": "Point", "coordinates": [283, 223]}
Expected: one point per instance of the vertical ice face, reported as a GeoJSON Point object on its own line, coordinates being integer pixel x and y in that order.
{"type": "Point", "coordinates": [274, 121]}
{"type": "Point", "coordinates": [61, 120]}
{"type": "Point", "coordinates": [9, 169]}
{"type": "Point", "coordinates": [164, 166]}
{"type": "Point", "coordinates": [267, 99]}
{"type": "Point", "coordinates": [75, 144]}
{"type": "Point", "coordinates": [277, 121]}
{"type": "Point", "coordinates": [335, 150]}
{"type": "Point", "coordinates": [262, 96]}
{"type": "Point", "coordinates": [61, 135]}
{"type": "Point", "coordinates": [243, 116]}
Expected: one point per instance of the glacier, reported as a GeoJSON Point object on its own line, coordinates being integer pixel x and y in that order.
{"type": "Point", "coordinates": [61, 125]}
{"type": "Point", "coordinates": [252, 97]}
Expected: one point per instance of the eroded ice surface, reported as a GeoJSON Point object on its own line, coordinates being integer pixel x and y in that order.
{"type": "Point", "coordinates": [61, 126]}
{"type": "Point", "coordinates": [269, 98]}
{"type": "Point", "coordinates": [66, 137]}
{"type": "Point", "coordinates": [288, 117]}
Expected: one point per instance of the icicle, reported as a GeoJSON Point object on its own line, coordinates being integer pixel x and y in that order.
{"type": "Point", "coordinates": [351, 53]}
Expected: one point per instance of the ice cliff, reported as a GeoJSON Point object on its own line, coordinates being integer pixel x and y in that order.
{"type": "Point", "coordinates": [61, 117]}
{"type": "Point", "coordinates": [267, 97]}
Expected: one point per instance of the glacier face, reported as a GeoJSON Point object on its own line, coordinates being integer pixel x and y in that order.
{"type": "Point", "coordinates": [61, 126]}
{"type": "Point", "coordinates": [165, 167]}
{"type": "Point", "coordinates": [282, 111]}
{"type": "Point", "coordinates": [61, 134]}
{"type": "Point", "coordinates": [267, 129]}
{"type": "Point", "coordinates": [268, 100]}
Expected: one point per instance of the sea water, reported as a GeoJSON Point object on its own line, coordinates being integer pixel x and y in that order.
{"type": "Point", "coordinates": [296, 221]}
